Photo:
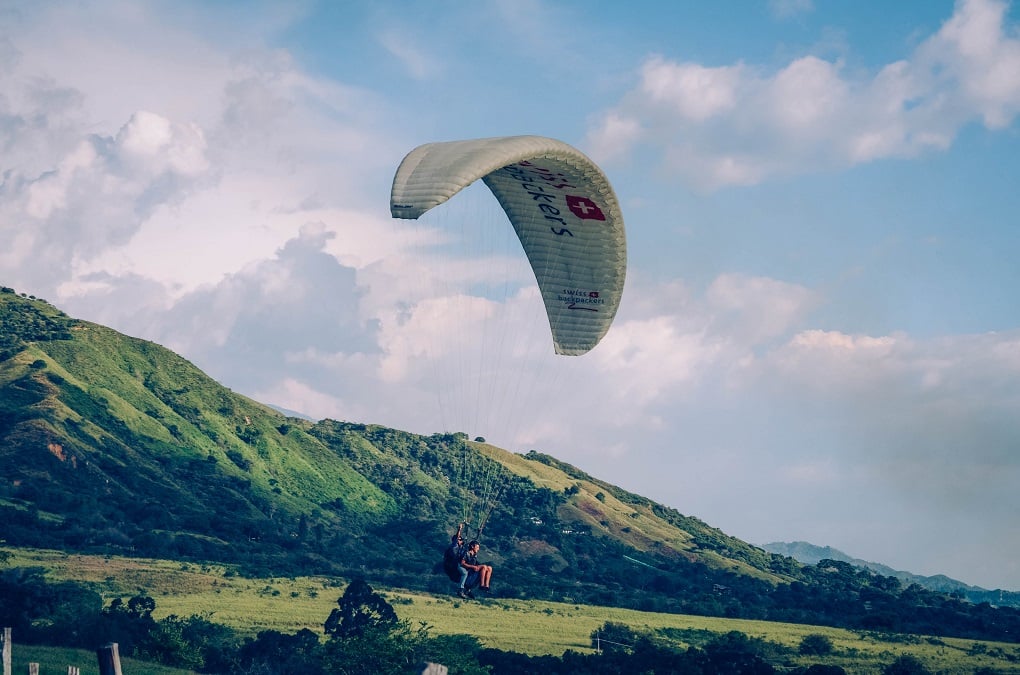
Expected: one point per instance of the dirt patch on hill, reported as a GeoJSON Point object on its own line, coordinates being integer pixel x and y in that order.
{"type": "Point", "coordinates": [534, 547]}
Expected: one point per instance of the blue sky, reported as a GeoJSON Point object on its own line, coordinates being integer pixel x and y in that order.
{"type": "Point", "coordinates": [819, 336]}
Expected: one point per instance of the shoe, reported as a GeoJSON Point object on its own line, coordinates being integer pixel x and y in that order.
{"type": "Point", "coordinates": [461, 593]}
{"type": "Point", "coordinates": [484, 588]}
{"type": "Point", "coordinates": [470, 595]}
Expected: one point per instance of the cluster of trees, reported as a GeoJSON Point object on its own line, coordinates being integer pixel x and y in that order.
{"type": "Point", "coordinates": [29, 324]}
{"type": "Point", "coordinates": [68, 614]}
{"type": "Point", "coordinates": [363, 632]}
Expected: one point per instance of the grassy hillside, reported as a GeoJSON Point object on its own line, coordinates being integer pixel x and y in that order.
{"type": "Point", "coordinates": [641, 523]}
{"type": "Point", "coordinates": [117, 409]}
{"type": "Point", "coordinates": [94, 422]}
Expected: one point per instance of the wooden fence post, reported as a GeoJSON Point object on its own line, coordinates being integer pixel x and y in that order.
{"type": "Point", "coordinates": [6, 639]}
{"type": "Point", "coordinates": [33, 668]}
{"type": "Point", "coordinates": [109, 659]}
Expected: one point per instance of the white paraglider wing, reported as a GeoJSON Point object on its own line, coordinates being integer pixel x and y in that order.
{"type": "Point", "coordinates": [560, 204]}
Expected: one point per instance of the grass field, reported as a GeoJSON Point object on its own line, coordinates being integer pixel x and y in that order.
{"type": "Point", "coordinates": [530, 627]}
{"type": "Point", "coordinates": [57, 659]}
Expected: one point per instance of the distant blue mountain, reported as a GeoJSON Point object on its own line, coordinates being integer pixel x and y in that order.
{"type": "Point", "coordinates": [810, 554]}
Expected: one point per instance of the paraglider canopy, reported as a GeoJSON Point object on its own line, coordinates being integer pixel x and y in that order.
{"type": "Point", "coordinates": [562, 208]}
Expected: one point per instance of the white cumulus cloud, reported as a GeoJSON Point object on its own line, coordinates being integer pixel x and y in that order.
{"type": "Point", "coordinates": [742, 124]}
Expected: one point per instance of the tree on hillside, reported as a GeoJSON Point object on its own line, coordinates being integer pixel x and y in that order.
{"type": "Point", "coordinates": [366, 636]}
{"type": "Point", "coordinates": [128, 624]}
{"type": "Point", "coordinates": [613, 638]}
{"type": "Point", "coordinates": [360, 608]}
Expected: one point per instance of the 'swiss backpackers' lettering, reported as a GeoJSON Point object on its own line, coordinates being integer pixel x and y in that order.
{"type": "Point", "coordinates": [548, 189]}
{"type": "Point", "coordinates": [580, 299]}
{"type": "Point", "coordinates": [554, 196]}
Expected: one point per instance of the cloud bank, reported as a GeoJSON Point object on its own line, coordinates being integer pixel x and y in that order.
{"type": "Point", "coordinates": [741, 124]}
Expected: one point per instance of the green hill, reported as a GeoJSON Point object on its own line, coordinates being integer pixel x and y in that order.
{"type": "Point", "coordinates": [114, 441]}
{"type": "Point", "coordinates": [113, 444]}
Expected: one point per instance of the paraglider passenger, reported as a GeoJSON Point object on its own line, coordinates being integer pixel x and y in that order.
{"type": "Point", "coordinates": [478, 574]}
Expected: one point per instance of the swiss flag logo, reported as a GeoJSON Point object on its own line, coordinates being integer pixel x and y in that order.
{"type": "Point", "coordinates": [584, 208]}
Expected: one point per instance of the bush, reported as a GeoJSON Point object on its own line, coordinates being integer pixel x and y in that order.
{"type": "Point", "coordinates": [906, 665]}
{"type": "Point", "coordinates": [815, 645]}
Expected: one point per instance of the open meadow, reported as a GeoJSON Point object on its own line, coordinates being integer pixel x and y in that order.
{"type": "Point", "coordinates": [535, 627]}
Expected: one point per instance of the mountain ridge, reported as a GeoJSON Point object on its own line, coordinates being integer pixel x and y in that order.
{"type": "Point", "coordinates": [812, 554]}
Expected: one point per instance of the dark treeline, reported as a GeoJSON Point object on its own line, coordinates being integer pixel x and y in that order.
{"type": "Point", "coordinates": [363, 634]}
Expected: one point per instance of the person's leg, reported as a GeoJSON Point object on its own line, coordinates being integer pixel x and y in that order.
{"type": "Point", "coordinates": [471, 582]}
{"type": "Point", "coordinates": [461, 585]}
{"type": "Point", "coordinates": [485, 577]}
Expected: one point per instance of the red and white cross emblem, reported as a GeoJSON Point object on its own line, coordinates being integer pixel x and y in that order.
{"type": "Point", "coordinates": [584, 208]}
